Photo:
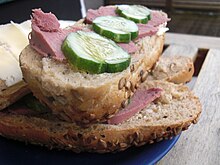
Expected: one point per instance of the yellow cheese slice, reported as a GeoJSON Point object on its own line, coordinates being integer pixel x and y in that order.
{"type": "Point", "coordinates": [14, 38]}
{"type": "Point", "coordinates": [24, 27]}
{"type": "Point", "coordinates": [10, 70]}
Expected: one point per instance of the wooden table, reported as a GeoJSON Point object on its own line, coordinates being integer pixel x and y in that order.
{"type": "Point", "coordinates": [200, 144]}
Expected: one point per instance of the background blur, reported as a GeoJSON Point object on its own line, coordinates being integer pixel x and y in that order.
{"type": "Point", "coordinates": [20, 10]}
{"type": "Point", "coordinates": [200, 17]}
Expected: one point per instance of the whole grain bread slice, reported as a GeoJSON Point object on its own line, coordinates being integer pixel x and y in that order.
{"type": "Point", "coordinates": [164, 118]}
{"type": "Point", "coordinates": [163, 70]}
{"type": "Point", "coordinates": [87, 98]}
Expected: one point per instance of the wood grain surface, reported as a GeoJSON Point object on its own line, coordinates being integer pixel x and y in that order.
{"type": "Point", "coordinates": [194, 40]}
{"type": "Point", "coordinates": [181, 50]}
{"type": "Point", "coordinates": [201, 143]}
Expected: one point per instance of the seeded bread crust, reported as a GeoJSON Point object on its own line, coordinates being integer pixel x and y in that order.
{"type": "Point", "coordinates": [174, 112]}
{"type": "Point", "coordinates": [85, 98]}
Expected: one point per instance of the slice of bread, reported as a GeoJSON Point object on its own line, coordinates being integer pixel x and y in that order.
{"type": "Point", "coordinates": [176, 69]}
{"type": "Point", "coordinates": [9, 95]}
{"type": "Point", "coordinates": [164, 118]}
{"type": "Point", "coordinates": [13, 93]}
{"type": "Point", "coordinates": [87, 98]}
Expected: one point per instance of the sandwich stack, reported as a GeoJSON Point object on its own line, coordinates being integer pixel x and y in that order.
{"type": "Point", "coordinates": [103, 76]}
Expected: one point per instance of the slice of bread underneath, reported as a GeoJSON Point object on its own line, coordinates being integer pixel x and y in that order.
{"type": "Point", "coordinates": [174, 111]}
{"type": "Point", "coordinates": [11, 94]}
{"type": "Point", "coordinates": [87, 98]}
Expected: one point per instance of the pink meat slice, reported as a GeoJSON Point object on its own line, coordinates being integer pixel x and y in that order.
{"type": "Point", "coordinates": [129, 47]}
{"type": "Point", "coordinates": [102, 11]}
{"type": "Point", "coordinates": [146, 30]}
{"type": "Point", "coordinates": [151, 28]}
{"type": "Point", "coordinates": [47, 38]}
{"type": "Point", "coordinates": [47, 43]}
{"type": "Point", "coordinates": [91, 15]}
{"type": "Point", "coordinates": [139, 101]}
{"type": "Point", "coordinates": [47, 22]}
{"type": "Point", "coordinates": [158, 18]}
{"type": "Point", "coordinates": [107, 10]}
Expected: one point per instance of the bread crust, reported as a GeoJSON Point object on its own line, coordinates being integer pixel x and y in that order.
{"type": "Point", "coordinates": [178, 70]}
{"type": "Point", "coordinates": [155, 124]}
{"type": "Point", "coordinates": [181, 73]}
{"type": "Point", "coordinates": [13, 93]}
{"type": "Point", "coordinates": [87, 104]}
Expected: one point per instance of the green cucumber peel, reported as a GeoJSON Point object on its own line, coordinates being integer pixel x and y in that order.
{"type": "Point", "coordinates": [115, 28]}
{"type": "Point", "coordinates": [90, 52]}
{"type": "Point", "coordinates": [136, 13]}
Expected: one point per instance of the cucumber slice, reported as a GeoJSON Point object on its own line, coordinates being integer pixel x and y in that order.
{"type": "Point", "coordinates": [136, 13]}
{"type": "Point", "coordinates": [93, 53]}
{"type": "Point", "coordinates": [116, 28]}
